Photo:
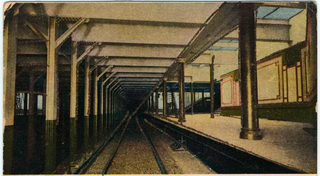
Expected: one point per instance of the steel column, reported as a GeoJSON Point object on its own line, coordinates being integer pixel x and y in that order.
{"type": "Point", "coordinates": [192, 97]}
{"type": "Point", "coordinates": [9, 87]}
{"type": "Point", "coordinates": [165, 98]}
{"type": "Point", "coordinates": [52, 98]}
{"type": "Point", "coordinates": [44, 99]}
{"type": "Point", "coordinates": [73, 100]}
{"type": "Point", "coordinates": [152, 102]}
{"type": "Point", "coordinates": [181, 93]}
{"type": "Point", "coordinates": [248, 72]}
{"type": "Point", "coordinates": [86, 114]}
{"type": "Point", "coordinates": [149, 103]}
{"type": "Point", "coordinates": [95, 103]}
{"type": "Point", "coordinates": [31, 95]}
{"type": "Point", "coordinates": [87, 81]}
{"type": "Point", "coordinates": [203, 101]}
{"type": "Point", "coordinates": [52, 73]}
{"type": "Point", "coordinates": [74, 81]}
{"type": "Point", "coordinates": [108, 102]}
{"type": "Point", "coordinates": [104, 97]}
{"type": "Point", "coordinates": [9, 68]}
{"type": "Point", "coordinates": [157, 101]}
{"type": "Point", "coordinates": [25, 104]}
{"type": "Point", "coordinates": [212, 88]}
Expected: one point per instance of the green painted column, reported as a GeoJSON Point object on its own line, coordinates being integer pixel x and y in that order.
{"type": "Point", "coordinates": [73, 138]}
{"type": "Point", "coordinates": [7, 149]}
{"type": "Point", "coordinates": [50, 147]}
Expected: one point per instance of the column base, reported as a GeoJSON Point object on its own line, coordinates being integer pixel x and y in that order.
{"type": "Point", "coordinates": [50, 146]}
{"type": "Point", "coordinates": [8, 149]}
{"type": "Point", "coordinates": [250, 135]}
{"type": "Point", "coordinates": [94, 130]}
{"type": "Point", "coordinates": [183, 120]}
{"type": "Point", "coordinates": [73, 138]}
{"type": "Point", "coordinates": [86, 132]}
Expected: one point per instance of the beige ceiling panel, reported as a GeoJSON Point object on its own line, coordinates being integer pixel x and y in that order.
{"type": "Point", "coordinates": [135, 51]}
{"type": "Point", "coordinates": [153, 11]}
{"type": "Point", "coordinates": [126, 33]}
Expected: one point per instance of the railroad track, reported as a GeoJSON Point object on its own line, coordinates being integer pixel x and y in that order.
{"type": "Point", "coordinates": [111, 155]}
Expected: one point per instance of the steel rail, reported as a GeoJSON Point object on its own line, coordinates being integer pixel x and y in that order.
{"type": "Point", "coordinates": [108, 164]}
{"type": "Point", "coordinates": [88, 162]}
{"type": "Point", "coordinates": [154, 151]}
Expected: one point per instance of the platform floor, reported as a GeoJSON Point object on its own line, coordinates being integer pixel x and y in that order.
{"type": "Point", "coordinates": [283, 142]}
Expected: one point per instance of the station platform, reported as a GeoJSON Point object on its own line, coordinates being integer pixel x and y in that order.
{"type": "Point", "coordinates": [283, 142]}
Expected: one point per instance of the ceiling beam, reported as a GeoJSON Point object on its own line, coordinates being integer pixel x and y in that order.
{"type": "Point", "coordinates": [135, 51]}
{"type": "Point", "coordinates": [138, 70]}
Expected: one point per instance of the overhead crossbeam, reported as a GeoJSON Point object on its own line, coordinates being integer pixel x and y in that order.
{"type": "Point", "coordinates": [96, 65]}
{"type": "Point", "coordinates": [35, 80]}
{"type": "Point", "coordinates": [110, 82]}
{"type": "Point", "coordinates": [86, 52]}
{"type": "Point", "coordinates": [35, 30]}
{"type": "Point", "coordinates": [104, 71]}
{"type": "Point", "coordinates": [110, 76]}
{"type": "Point", "coordinates": [68, 33]}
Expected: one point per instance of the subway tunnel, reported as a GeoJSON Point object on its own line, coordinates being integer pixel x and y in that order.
{"type": "Point", "coordinates": [159, 88]}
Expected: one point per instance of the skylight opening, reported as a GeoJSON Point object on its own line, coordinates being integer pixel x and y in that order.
{"type": "Point", "coordinates": [279, 13]}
